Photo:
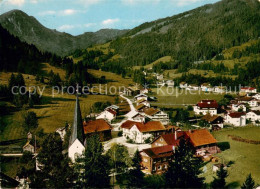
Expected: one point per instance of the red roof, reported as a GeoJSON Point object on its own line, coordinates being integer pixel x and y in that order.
{"type": "Point", "coordinates": [208, 104]}
{"type": "Point", "coordinates": [200, 137]}
{"type": "Point", "coordinates": [248, 88]}
{"type": "Point", "coordinates": [144, 127]}
{"type": "Point", "coordinates": [170, 138]}
{"type": "Point", "coordinates": [111, 111]}
{"type": "Point", "coordinates": [96, 126]}
{"type": "Point", "coordinates": [236, 114]}
{"type": "Point", "coordinates": [158, 152]}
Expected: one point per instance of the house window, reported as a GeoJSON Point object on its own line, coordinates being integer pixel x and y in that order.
{"type": "Point", "coordinates": [161, 139]}
{"type": "Point", "coordinates": [159, 167]}
{"type": "Point", "coordinates": [145, 160]}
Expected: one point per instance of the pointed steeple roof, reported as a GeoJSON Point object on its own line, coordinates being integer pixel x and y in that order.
{"type": "Point", "coordinates": [77, 131]}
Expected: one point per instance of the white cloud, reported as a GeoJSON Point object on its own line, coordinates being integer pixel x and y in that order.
{"type": "Point", "coordinates": [136, 2]}
{"type": "Point", "coordinates": [68, 12]}
{"type": "Point", "coordinates": [88, 2]}
{"type": "Point", "coordinates": [89, 25]}
{"type": "Point", "coordinates": [15, 2]}
{"type": "Point", "coordinates": [110, 22]}
{"type": "Point", "coordinates": [185, 2]}
{"type": "Point", "coordinates": [66, 27]}
{"type": "Point", "coordinates": [48, 12]}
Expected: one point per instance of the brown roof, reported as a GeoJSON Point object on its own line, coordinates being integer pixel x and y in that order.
{"type": "Point", "coordinates": [257, 112]}
{"type": "Point", "coordinates": [151, 111]}
{"type": "Point", "coordinates": [245, 99]}
{"type": "Point", "coordinates": [140, 106]}
{"type": "Point", "coordinates": [200, 137]}
{"type": "Point", "coordinates": [96, 126]}
{"type": "Point", "coordinates": [141, 100]}
{"type": "Point", "coordinates": [170, 138]}
{"type": "Point", "coordinates": [144, 127]}
{"type": "Point", "coordinates": [208, 104]}
{"type": "Point", "coordinates": [111, 111]}
{"type": "Point", "coordinates": [158, 152]}
{"type": "Point", "coordinates": [236, 114]}
{"type": "Point", "coordinates": [209, 118]}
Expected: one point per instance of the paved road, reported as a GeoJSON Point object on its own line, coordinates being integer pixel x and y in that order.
{"type": "Point", "coordinates": [132, 108]}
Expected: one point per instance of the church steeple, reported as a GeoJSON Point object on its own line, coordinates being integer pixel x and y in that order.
{"type": "Point", "coordinates": [77, 131]}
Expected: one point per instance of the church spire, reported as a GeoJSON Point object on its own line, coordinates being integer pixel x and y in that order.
{"type": "Point", "coordinates": [77, 131]}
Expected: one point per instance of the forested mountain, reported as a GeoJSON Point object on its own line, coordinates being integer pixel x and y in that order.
{"type": "Point", "coordinates": [28, 29]}
{"type": "Point", "coordinates": [19, 56]}
{"type": "Point", "coordinates": [194, 35]}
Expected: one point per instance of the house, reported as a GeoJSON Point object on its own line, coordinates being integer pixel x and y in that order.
{"type": "Point", "coordinates": [76, 143]}
{"type": "Point", "coordinates": [237, 107]}
{"type": "Point", "coordinates": [141, 132]}
{"type": "Point", "coordinates": [62, 132]}
{"type": "Point", "coordinates": [138, 118]}
{"type": "Point", "coordinates": [236, 118]}
{"type": "Point", "coordinates": [206, 87]}
{"type": "Point", "coordinates": [142, 107]}
{"type": "Point", "coordinates": [253, 116]}
{"type": "Point", "coordinates": [248, 90]}
{"type": "Point", "coordinates": [219, 89]}
{"type": "Point", "coordinates": [156, 160]}
{"type": "Point", "coordinates": [128, 92]}
{"type": "Point", "coordinates": [144, 102]}
{"type": "Point", "coordinates": [100, 127]}
{"type": "Point", "coordinates": [169, 83]}
{"type": "Point", "coordinates": [213, 120]}
{"type": "Point", "coordinates": [206, 106]}
{"type": "Point", "coordinates": [193, 87]}
{"type": "Point", "coordinates": [157, 115]}
{"type": "Point", "coordinates": [248, 100]}
{"type": "Point", "coordinates": [141, 97]}
{"type": "Point", "coordinates": [202, 141]}
{"type": "Point", "coordinates": [159, 76]}
{"type": "Point", "coordinates": [254, 95]}
{"type": "Point", "coordinates": [108, 114]}
{"type": "Point", "coordinates": [28, 147]}
{"type": "Point", "coordinates": [161, 83]}
{"type": "Point", "coordinates": [113, 107]}
{"type": "Point", "coordinates": [145, 91]}
{"type": "Point", "coordinates": [168, 139]}
{"type": "Point", "coordinates": [183, 85]}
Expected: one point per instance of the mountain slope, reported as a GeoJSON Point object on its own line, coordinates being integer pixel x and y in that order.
{"type": "Point", "coordinates": [194, 35]}
{"type": "Point", "coordinates": [28, 29]}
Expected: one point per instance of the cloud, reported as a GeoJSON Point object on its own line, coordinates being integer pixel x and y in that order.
{"type": "Point", "coordinates": [68, 12]}
{"type": "Point", "coordinates": [66, 27]}
{"type": "Point", "coordinates": [110, 22]}
{"type": "Point", "coordinates": [48, 12]}
{"type": "Point", "coordinates": [185, 2]}
{"type": "Point", "coordinates": [89, 25]}
{"type": "Point", "coordinates": [87, 3]}
{"type": "Point", "coordinates": [15, 2]}
{"type": "Point", "coordinates": [137, 2]}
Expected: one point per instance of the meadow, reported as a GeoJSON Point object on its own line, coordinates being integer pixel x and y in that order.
{"type": "Point", "coordinates": [244, 157]}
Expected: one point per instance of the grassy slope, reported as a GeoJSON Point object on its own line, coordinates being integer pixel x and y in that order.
{"type": "Point", "coordinates": [245, 156]}
{"type": "Point", "coordinates": [162, 59]}
{"type": "Point", "coordinates": [54, 112]}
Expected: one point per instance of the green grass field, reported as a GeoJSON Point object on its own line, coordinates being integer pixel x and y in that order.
{"type": "Point", "coordinates": [174, 97]}
{"type": "Point", "coordinates": [246, 157]}
{"type": "Point", "coordinates": [162, 59]}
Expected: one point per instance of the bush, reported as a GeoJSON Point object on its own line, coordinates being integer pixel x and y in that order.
{"type": "Point", "coordinates": [223, 145]}
{"type": "Point", "coordinates": [120, 133]}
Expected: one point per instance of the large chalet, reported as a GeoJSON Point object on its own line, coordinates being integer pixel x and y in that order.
{"type": "Point", "coordinates": [206, 107]}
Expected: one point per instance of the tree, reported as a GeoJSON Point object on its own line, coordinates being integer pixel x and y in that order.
{"type": "Point", "coordinates": [92, 168]}
{"type": "Point", "coordinates": [185, 169]}
{"type": "Point", "coordinates": [55, 167]}
{"type": "Point", "coordinates": [249, 183]}
{"type": "Point", "coordinates": [135, 175]}
{"type": "Point", "coordinates": [119, 158]}
{"type": "Point", "coordinates": [220, 180]}
{"type": "Point", "coordinates": [30, 121]}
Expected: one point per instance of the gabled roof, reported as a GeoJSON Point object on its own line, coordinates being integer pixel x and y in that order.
{"type": "Point", "coordinates": [77, 131]}
{"type": "Point", "coordinates": [158, 152]}
{"type": "Point", "coordinates": [210, 118]}
{"type": "Point", "coordinates": [248, 88]}
{"type": "Point", "coordinates": [141, 100]}
{"type": "Point", "coordinates": [111, 111]}
{"type": "Point", "coordinates": [208, 104]}
{"type": "Point", "coordinates": [200, 137]}
{"type": "Point", "coordinates": [247, 99]}
{"type": "Point", "coordinates": [140, 106]}
{"type": "Point", "coordinates": [98, 125]}
{"type": "Point", "coordinates": [170, 138]}
{"type": "Point", "coordinates": [257, 112]}
{"type": "Point", "coordinates": [236, 114]}
{"type": "Point", "coordinates": [144, 127]}
{"type": "Point", "coordinates": [151, 111]}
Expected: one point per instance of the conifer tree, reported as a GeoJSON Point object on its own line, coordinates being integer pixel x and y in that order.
{"type": "Point", "coordinates": [249, 183]}
{"type": "Point", "coordinates": [220, 180]}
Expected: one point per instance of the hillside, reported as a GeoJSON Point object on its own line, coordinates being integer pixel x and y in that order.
{"type": "Point", "coordinates": [28, 29]}
{"type": "Point", "coordinates": [194, 35]}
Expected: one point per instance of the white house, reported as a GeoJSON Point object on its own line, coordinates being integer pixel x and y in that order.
{"type": "Point", "coordinates": [253, 116]}
{"type": "Point", "coordinates": [62, 132]}
{"type": "Point", "coordinates": [107, 114]}
{"type": "Point", "coordinates": [76, 143]}
{"type": "Point", "coordinates": [248, 90]}
{"type": "Point", "coordinates": [238, 106]}
{"type": "Point", "coordinates": [28, 147]}
{"type": "Point", "coordinates": [138, 118]}
{"type": "Point", "coordinates": [219, 89]}
{"type": "Point", "coordinates": [141, 132]}
{"type": "Point", "coordinates": [254, 95]}
{"type": "Point", "coordinates": [236, 118]}
{"type": "Point", "coordinates": [183, 85]}
{"type": "Point", "coordinates": [144, 91]}
{"type": "Point", "coordinates": [157, 115]}
{"type": "Point", "coordinates": [169, 83]}
{"type": "Point", "coordinates": [141, 96]}
{"type": "Point", "coordinates": [143, 101]}
{"type": "Point", "coordinates": [193, 87]}
{"type": "Point", "coordinates": [206, 87]}
{"type": "Point", "coordinates": [159, 76]}
{"type": "Point", "coordinates": [249, 100]}
{"type": "Point", "coordinates": [206, 107]}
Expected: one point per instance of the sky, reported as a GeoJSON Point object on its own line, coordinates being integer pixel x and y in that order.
{"type": "Point", "coordinates": [79, 16]}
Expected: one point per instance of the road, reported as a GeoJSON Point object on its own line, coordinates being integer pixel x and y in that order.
{"type": "Point", "coordinates": [132, 108]}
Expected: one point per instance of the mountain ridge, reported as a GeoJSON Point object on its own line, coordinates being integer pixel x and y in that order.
{"type": "Point", "coordinates": [31, 31]}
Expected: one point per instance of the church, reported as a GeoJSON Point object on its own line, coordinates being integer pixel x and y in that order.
{"type": "Point", "coordinates": [77, 138]}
